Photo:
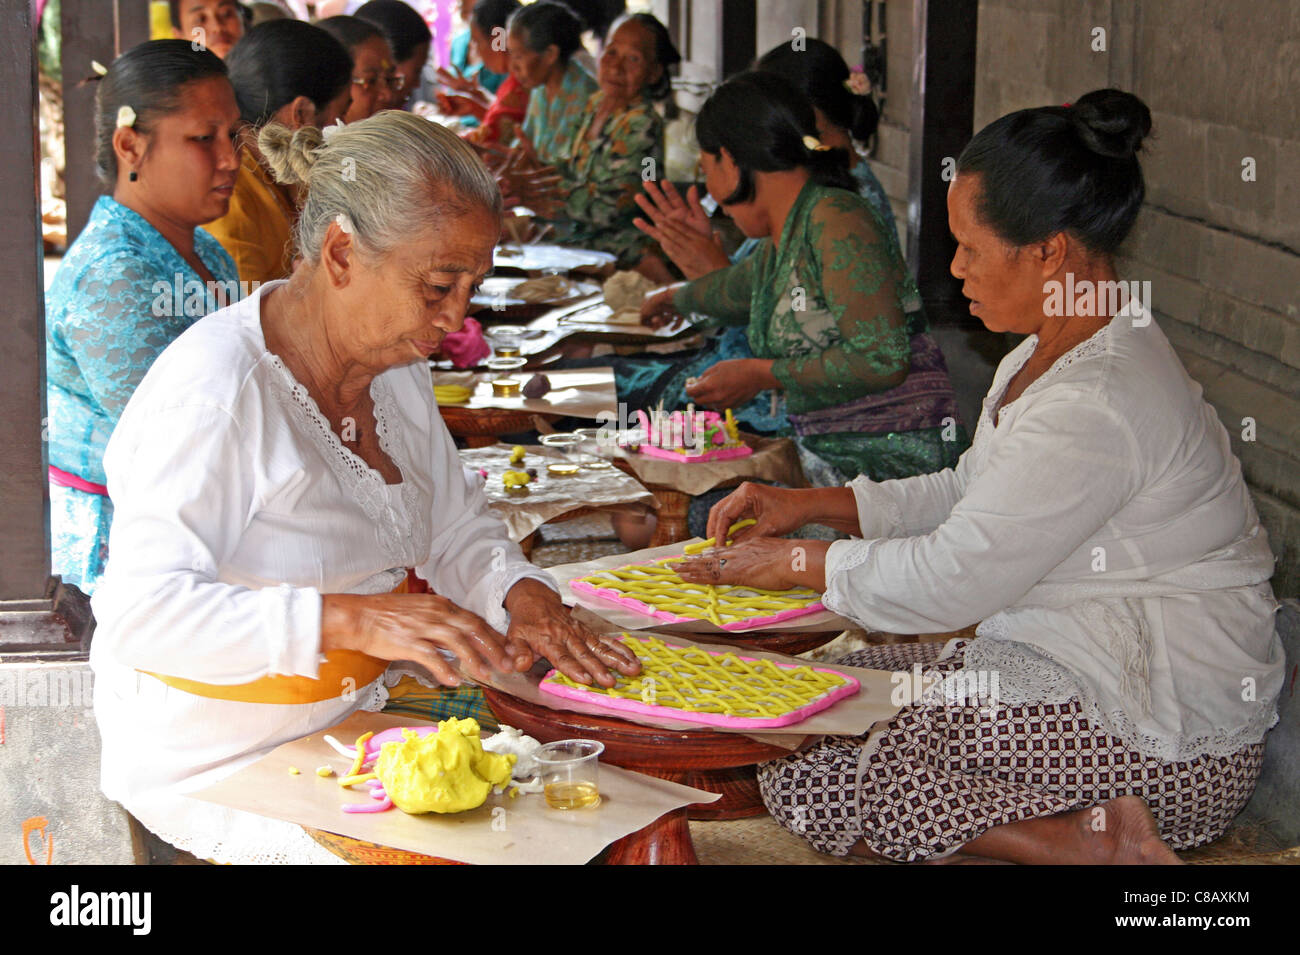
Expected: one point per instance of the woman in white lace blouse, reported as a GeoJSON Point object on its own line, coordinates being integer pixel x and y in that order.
{"type": "Point", "coordinates": [276, 473]}
{"type": "Point", "coordinates": [1114, 702]}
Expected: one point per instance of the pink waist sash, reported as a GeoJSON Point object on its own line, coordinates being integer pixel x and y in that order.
{"type": "Point", "coordinates": [66, 479]}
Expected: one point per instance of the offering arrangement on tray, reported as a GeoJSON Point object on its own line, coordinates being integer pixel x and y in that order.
{"type": "Point", "coordinates": [655, 589]}
{"type": "Point", "coordinates": [691, 437]}
{"type": "Point", "coordinates": [714, 687]}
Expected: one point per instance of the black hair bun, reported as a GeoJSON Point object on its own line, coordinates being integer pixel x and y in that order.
{"type": "Point", "coordinates": [1111, 123]}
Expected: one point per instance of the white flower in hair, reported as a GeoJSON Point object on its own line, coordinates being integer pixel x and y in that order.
{"type": "Point", "coordinates": [330, 130]}
{"type": "Point", "coordinates": [343, 222]}
{"type": "Point", "coordinates": [125, 117]}
{"type": "Point", "coordinates": [813, 144]}
{"type": "Point", "coordinates": [99, 67]}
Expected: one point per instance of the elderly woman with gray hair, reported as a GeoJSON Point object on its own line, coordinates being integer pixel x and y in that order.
{"type": "Point", "coordinates": [278, 471]}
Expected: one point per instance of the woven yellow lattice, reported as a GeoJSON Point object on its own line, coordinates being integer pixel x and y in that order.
{"type": "Point", "coordinates": [687, 678]}
{"type": "Point", "coordinates": [658, 585]}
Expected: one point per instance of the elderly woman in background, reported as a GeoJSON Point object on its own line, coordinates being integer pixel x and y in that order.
{"type": "Point", "coordinates": [297, 75]}
{"type": "Point", "coordinates": [138, 275]}
{"type": "Point", "coordinates": [617, 143]}
{"type": "Point", "coordinates": [376, 84]}
{"type": "Point", "coordinates": [1114, 703]}
{"type": "Point", "coordinates": [542, 41]}
{"type": "Point", "coordinates": [278, 472]}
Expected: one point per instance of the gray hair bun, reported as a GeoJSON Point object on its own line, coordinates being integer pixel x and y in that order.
{"type": "Point", "coordinates": [290, 153]}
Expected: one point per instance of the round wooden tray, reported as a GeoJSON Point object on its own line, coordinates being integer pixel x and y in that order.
{"type": "Point", "coordinates": [481, 427]}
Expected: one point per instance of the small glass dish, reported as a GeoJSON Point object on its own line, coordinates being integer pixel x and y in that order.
{"type": "Point", "coordinates": [569, 770]}
{"type": "Point", "coordinates": [506, 378]}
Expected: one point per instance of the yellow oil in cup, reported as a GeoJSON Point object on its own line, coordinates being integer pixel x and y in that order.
{"type": "Point", "coordinates": [505, 387]}
{"type": "Point", "coordinates": [570, 773]}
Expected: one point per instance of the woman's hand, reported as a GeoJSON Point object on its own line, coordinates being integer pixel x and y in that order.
{"type": "Point", "coordinates": [457, 81]}
{"type": "Point", "coordinates": [415, 627]}
{"type": "Point", "coordinates": [539, 619]}
{"type": "Point", "coordinates": [771, 563]}
{"type": "Point", "coordinates": [731, 383]}
{"type": "Point", "coordinates": [458, 104]}
{"type": "Point", "coordinates": [776, 511]}
{"type": "Point", "coordinates": [682, 229]}
{"type": "Point", "coordinates": [658, 310]}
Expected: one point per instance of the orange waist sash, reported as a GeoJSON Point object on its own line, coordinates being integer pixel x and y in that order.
{"type": "Point", "coordinates": [341, 672]}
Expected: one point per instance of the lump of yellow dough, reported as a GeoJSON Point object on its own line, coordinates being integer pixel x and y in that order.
{"type": "Point", "coordinates": [446, 771]}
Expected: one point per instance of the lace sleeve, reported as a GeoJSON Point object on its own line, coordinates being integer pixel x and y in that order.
{"type": "Point", "coordinates": [724, 295]}
{"type": "Point", "coordinates": [121, 321]}
{"type": "Point", "coordinates": [862, 287]}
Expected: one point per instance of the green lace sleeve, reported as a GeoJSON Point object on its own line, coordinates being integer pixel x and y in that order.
{"type": "Point", "coordinates": [725, 295]}
{"type": "Point", "coordinates": [863, 284]}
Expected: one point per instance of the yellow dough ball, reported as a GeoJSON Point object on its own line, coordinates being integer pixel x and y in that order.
{"type": "Point", "coordinates": [446, 771]}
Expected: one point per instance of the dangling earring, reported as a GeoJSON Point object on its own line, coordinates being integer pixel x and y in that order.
{"type": "Point", "coordinates": [133, 176]}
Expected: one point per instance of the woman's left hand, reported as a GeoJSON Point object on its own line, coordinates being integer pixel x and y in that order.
{"type": "Point", "coordinates": [772, 563]}
{"type": "Point", "coordinates": [730, 383]}
{"type": "Point", "coordinates": [539, 619]}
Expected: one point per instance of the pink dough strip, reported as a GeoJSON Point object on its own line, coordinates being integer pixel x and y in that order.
{"type": "Point", "coordinates": [624, 705]}
{"type": "Point", "coordinates": [721, 454]}
{"type": "Point", "coordinates": [631, 603]}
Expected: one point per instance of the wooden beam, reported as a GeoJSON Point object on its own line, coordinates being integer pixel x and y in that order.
{"type": "Point", "coordinates": [942, 113]}
{"type": "Point", "coordinates": [737, 36]}
{"type": "Point", "coordinates": [97, 30]}
{"type": "Point", "coordinates": [34, 608]}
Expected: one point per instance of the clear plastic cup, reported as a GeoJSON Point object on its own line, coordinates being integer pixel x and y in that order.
{"type": "Point", "coordinates": [506, 340]}
{"type": "Point", "coordinates": [569, 771]}
{"type": "Point", "coordinates": [595, 448]}
{"type": "Point", "coordinates": [506, 379]}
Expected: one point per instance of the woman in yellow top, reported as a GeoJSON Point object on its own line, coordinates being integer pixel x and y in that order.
{"type": "Point", "coordinates": [298, 75]}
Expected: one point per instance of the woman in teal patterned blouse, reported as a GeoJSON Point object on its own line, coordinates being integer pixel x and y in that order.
{"type": "Point", "coordinates": [542, 40]}
{"type": "Point", "coordinates": [619, 142]}
{"type": "Point", "coordinates": [139, 274]}
{"type": "Point", "coordinates": [829, 305]}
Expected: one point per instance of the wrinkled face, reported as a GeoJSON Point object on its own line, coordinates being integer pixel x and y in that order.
{"type": "Point", "coordinates": [218, 24]}
{"type": "Point", "coordinates": [373, 78]}
{"type": "Point", "coordinates": [527, 66]}
{"type": "Point", "coordinates": [628, 65]}
{"type": "Point", "coordinates": [1003, 282]}
{"type": "Point", "coordinates": [420, 292]}
{"type": "Point", "coordinates": [187, 173]}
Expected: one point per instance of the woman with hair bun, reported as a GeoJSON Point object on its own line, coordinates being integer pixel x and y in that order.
{"type": "Point", "coordinates": [277, 473]}
{"type": "Point", "coordinates": [542, 41]}
{"type": "Point", "coordinates": [1098, 530]}
{"type": "Point", "coordinates": [138, 275]}
{"type": "Point", "coordinates": [297, 75]}
{"type": "Point", "coordinates": [830, 313]}
{"type": "Point", "coordinates": [845, 115]}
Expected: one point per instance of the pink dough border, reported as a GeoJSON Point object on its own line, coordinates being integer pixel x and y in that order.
{"type": "Point", "coordinates": [631, 603]}
{"type": "Point", "coordinates": [721, 454]}
{"type": "Point", "coordinates": [710, 719]}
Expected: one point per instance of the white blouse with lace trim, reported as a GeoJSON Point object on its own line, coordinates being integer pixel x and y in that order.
{"type": "Point", "coordinates": [236, 507]}
{"type": "Point", "coordinates": [1100, 528]}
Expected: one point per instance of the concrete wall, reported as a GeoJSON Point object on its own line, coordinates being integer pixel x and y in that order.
{"type": "Point", "coordinates": [1222, 254]}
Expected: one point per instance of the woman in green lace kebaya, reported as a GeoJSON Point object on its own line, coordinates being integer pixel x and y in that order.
{"type": "Point", "coordinates": [829, 305]}
{"type": "Point", "coordinates": [619, 141]}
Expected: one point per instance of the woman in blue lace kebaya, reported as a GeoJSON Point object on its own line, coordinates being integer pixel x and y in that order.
{"type": "Point", "coordinates": [139, 274]}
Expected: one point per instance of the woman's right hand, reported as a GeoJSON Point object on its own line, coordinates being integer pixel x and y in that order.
{"type": "Point", "coordinates": [776, 511]}
{"type": "Point", "coordinates": [658, 309]}
{"type": "Point", "coordinates": [682, 229]}
{"type": "Point", "coordinates": [416, 627]}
